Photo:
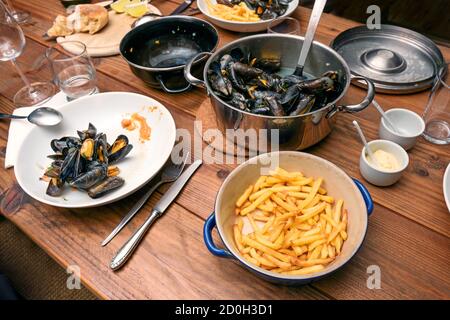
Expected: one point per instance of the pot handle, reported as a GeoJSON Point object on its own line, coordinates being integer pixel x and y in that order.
{"type": "Point", "coordinates": [366, 196]}
{"type": "Point", "coordinates": [166, 89]}
{"type": "Point", "coordinates": [210, 223]}
{"type": "Point", "coordinates": [367, 100]}
{"type": "Point", "coordinates": [187, 71]}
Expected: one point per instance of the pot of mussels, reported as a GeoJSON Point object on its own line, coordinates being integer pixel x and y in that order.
{"type": "Point", "coordinates": [251, 85]}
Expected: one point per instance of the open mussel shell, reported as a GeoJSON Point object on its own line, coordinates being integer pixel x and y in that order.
{"type": "Point", "coordinates": [91, 132]}
{"type": "Point", "coordinates": [106, 186]}
{"type": "Point", "coordinates": [119, 149]}
{"type": "Point", "coordinates": [55, 187]}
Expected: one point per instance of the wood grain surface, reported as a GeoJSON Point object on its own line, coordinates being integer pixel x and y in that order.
{"type": "Point", "coordinates": [409, 230]}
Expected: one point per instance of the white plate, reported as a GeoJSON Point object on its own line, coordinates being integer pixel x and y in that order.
{"type": "Point", "coordinates": [105, 111]}
{"type": "Point", "coordinates": [446, 186]}
{"type": "Point", "coordinates": [241, 26]}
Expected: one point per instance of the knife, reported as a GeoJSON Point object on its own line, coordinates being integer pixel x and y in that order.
{"type": "Point", "coordinates": [128, 248]}
{"type": "Point", "coordinates": [186, 4]}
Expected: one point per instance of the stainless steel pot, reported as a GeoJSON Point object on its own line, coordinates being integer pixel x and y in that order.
{"type": "Point", "coordinates": [294, 132]}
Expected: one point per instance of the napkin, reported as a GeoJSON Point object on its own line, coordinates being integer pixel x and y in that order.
{"type": "Point", "coordinates": [19, 128]}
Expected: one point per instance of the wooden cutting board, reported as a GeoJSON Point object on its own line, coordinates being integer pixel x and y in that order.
{"type": "Point", "coordinates": [105, 42]}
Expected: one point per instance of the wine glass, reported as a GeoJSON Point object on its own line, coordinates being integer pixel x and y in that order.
{"type": "Point", "coordinates": [73, 70]}
{"type": "Point", "coordinates": [20, 16]}
{"type": "Point", "coordinates": [285, 25]}
{"type": "Point", "coordinates": [12, 43]}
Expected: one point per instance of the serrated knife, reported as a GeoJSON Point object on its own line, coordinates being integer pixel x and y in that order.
{"type": "Point", "coordinates": [128, 248]}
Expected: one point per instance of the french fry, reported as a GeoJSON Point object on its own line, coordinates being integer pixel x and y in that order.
{"type": "Point", "coordinates": [310, 263]}
{"type": "Point", "coordinates": [265, 249]}
{"type": "Point", "coordinates": [297, 227]}
{"type": "Point", "coordinates": [279, 263]}
{"type": "Point", "coordinates": [258, 183]}
{"type": "Point", "coordinates": [307, 270]}
{"type": "Point", "coordinates": [261, 259]}
{"type": "Point", "coordinates": [244, 197]}
{"type": "Point", "coordinates": [256, 203]}
{"type": "Point", "coordinates": [252, 260]}
{"type": "Point", "coordinates": [308, 240]}
{"type": "Point", "coordinates": [310, 212]}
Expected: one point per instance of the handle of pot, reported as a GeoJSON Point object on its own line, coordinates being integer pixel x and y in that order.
{"type": "Point", "coordinates": [366, 196]}
{"type": "Point", "coordinates": [210, 223]}
{"type": "Point", "coordinates": [166, 89]}
{"type": "Point", "coordinates": [367, 100]}
{"type": "Point", "coordinates": [187, 71]}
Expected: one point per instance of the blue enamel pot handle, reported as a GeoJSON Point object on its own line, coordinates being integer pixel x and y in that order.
{"type": "Point", "coordinates": [210, 223]}
{"type": "Point", "coordinates": [366, 196]}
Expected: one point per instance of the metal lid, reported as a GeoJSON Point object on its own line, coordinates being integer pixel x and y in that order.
{"type": "Point", "coordinates": [397, 60]}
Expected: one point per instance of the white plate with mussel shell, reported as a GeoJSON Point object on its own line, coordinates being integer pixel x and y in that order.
{"type": "Point", "coordinates": [244, 26]}
{"type": "Point", "coordinates": [106, 112]}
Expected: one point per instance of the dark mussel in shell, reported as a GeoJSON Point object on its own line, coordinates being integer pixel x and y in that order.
{"type": "Point", "coordinates": [93, 176]}
{"type": "Point", "coordinates": [60, 145]}
{"type": "Point", "coordinates": [83, 162]}
{"type": "Point", "coordinates": [55, 187]}
{"type": "Point", "coordinates": [219, 83]}
{"type": "Point", "coordinates": [119, 149]}
{"type": "Point", "coordinates": [257, 88]}
{"type": "Point", "coordinates": [67, 167]}
{"type": "Point", "coordinates": [106, 186]}
{"type": "Point", "coordinates": [90, 132]}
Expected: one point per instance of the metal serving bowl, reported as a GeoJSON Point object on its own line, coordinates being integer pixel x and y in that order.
{"type": "Point", "coordinates": [356, 198]}
{"type": "Point", "coordinates": [295, 132]}
{"type": "Point", "coordinates": [157, 51]}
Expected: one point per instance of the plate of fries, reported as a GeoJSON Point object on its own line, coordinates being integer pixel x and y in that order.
{"type": "Point", "coordinates": [292, 221]}
{"type": "Point", "coordinates": [238, 18]}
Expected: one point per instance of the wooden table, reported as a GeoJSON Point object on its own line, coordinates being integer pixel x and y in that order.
{"type": "Point", "coordinates": [408, 236]}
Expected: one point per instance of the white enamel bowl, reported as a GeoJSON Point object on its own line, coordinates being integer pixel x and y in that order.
{"type": "Point", "coordinates": [356, 198]}
{"type": "Point", "coordinates": [237, 26]}
{"type": "Point", "coordinates": [105, 111]}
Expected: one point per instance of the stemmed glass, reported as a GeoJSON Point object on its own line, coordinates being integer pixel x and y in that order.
{"type": "Point", "coordinates": [20, 16]}
{"type": "Point", "coordinates": [12, 43]}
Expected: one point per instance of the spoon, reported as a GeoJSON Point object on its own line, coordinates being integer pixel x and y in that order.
{"type": "Point", "coordinates": [364, 141]}
{"type": "Point", "coordinates": [385, 117]}
{"type": "Point", "coordinates": [309, 37]}
{"type": "Point", "coordinates": [43, 116]}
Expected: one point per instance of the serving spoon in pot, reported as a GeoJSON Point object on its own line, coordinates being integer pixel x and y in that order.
{"type": "Point", "coordinates": [319, 5]}
{"type": "Point", "coordinates": [44, 116]}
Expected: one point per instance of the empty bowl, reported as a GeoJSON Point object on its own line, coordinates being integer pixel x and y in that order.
{"type": "Point", "coordinates": [377, 175]}
{"type": "Point", "coordinates": [408, 123]}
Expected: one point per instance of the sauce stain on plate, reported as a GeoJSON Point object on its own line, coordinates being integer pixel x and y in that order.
{"type": "Point", "coordinates": [137, 121]}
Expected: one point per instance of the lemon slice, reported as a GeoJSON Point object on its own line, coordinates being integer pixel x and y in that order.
{"type": "Point", "coordinates": [119, 6]}
{"type": "Point", "coordinates": [136, 10]}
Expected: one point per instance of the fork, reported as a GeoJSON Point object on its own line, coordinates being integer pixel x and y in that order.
{"type": "Point", "coordinates": [171, 173]}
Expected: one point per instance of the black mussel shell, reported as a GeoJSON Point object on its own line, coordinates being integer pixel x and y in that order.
{"type": "Point", "coordinates": [55, 187]}
{"type": "Point", "coordinates": [106, 186]}
{"type": "Point", "coordinates": [90, 178]}
{"type": "Point", "coordinates": [119, 149]}
{"type": "Point", "coordinates": [68, 164]}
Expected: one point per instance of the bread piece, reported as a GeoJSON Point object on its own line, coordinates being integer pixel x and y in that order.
{"type": "Point", "coordinates": [86, 18]}
{"type": "Point", "coordinates": [90, 18]}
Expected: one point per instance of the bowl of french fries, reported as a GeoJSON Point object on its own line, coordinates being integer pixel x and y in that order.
{"type": "Point", "coordinates": [290, 217]}
{"type": "Point", "coordinates": [238, 17]}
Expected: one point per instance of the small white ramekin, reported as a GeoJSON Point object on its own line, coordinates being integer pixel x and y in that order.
{"type": "Point", "coordinates": [376, 175]}
{"type": "Point", "coordinates": [409, 123]}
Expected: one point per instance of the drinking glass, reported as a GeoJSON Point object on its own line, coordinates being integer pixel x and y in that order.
{"type": "Point", "coordinates": [437, 111]}
{"type": "Point", "coordinates": [12, 43]}
{"type": "Point", "coordinates": [73, 70]}
{"type": "Point", "coordinates": [285, 25]}
{"type": "Point", "coordinates": [20, 16]}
